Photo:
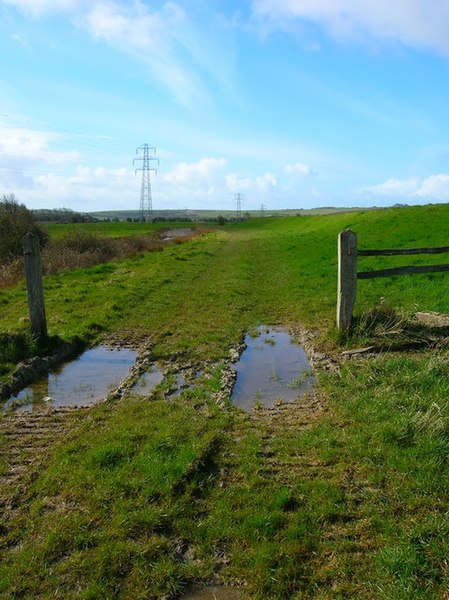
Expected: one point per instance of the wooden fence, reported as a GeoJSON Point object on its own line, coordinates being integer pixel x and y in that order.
{"type": "Point", "coordinates": [348, 275]}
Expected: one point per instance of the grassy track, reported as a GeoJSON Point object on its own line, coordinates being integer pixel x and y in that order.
{"type": "Point", "coordinates": [344, 495]}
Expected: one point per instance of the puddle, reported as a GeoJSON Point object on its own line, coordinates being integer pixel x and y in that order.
{"type": "Point", "coordinates": [81, 382]}
{"type": "Point", "coordinates": [180, 385]}
{"type": "Point", "coordinates": [271, 368]}
{"type": "Point", "coordinates": [148, 381]}
{"type": "Point", "coordinates": [154, 376]}
{"type": "Point", "coordinates": [184, 382]}
{"type": "Point", "coordinates": [172, 234]}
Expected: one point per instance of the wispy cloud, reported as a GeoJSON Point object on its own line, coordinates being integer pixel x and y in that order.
{"type": "Point", "coordinates": [261, 184]}
{"type": "Point", "coordinates": [176, 51]}
{"type": "Point", "coordinates": [298, 168]}
{"type": "Point", "coordinates": [41, 7]}
{"type": "Point", "coordinates": [204, 171]}
{"type": "Point", "coordinates": [413, 23]}
{"type": "Point", "coordinates": [31, 145]}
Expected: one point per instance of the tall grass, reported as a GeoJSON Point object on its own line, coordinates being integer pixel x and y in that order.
{"type": "Point", "coordinates": [79, 248]}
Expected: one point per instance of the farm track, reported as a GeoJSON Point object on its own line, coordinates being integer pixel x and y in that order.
{"type": "Point", "coordinates": [280, 425]}
{"type": "Point", "coordinates": [27, 437]}
{"type": "Point", "coordinates": [347, 532]}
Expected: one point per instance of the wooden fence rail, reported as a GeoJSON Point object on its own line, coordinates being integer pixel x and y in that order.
{"type": "Point", "coordinates": [348, 275]}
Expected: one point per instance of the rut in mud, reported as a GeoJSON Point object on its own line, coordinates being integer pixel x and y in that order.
{"type": "Point", "coordinates": [278, 426]}
{"type": "Point", "coordinates": [27, 437]}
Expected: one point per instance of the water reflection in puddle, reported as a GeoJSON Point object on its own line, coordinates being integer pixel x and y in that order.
{"type": "Point", "coordinates": [148, 381]}
{"type": "Point", "coordinates": [272, 368]}
{"type": "Point", "coordinates": [180, 385]}
{"type": "Point", "coordinates": [81, 382]}
{"type": "Point", "coordinates": [172, 234]}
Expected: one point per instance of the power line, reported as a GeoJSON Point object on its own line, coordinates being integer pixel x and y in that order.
{"type": "Point", "coordinates": [146, 200]}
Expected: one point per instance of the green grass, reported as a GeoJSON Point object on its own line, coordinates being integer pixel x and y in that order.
{"type": "Point", "coordinates": [110, 229]}
{"type": "Point", "coordinates": [103, 519]}
{"type": "Point", "coordinates": [147, 495]}
{"type": "Point", "coordinates": [205, 293]}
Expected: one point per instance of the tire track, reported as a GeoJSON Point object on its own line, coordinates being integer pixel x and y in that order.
{"type": "Point", "coordinates": [26, 439]}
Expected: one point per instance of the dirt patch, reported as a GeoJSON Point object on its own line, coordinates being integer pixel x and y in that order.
{"type": "Point", "coordinates": [215, 593]}
{"type": "Point", "coordinates": [432, 319]}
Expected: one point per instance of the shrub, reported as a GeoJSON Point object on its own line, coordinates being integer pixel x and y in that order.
{"type": "Point", "coordinates": [15, 221]}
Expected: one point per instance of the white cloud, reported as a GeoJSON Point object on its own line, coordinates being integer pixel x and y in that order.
{"type": "Point", "coordinates": [205, 170]}
{"type": "Point", "coordinates": [298, 168]}
{"type": "Point", "coordinates": [435, 187]}
{"type": "Point", "coordinates": [40, 7]}
{"type": "Point", "coordinates": [25, 145]}
{"type": "Point", "coordinates": [261, 183]}
{"type": "Point", "coordinates": [197, 184]}
{"type": "Point", "coordinates": [209, 182]}
{"type": "Point", "coordinates": [414, 23]}
{"type": "Point", "coordinates": [393, 188]}
{"type": "Point", "coordinates": [84, 189]}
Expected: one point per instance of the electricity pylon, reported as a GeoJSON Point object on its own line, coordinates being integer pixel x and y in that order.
{"type": "Point", "coordinates": [146, 201]}
{"type": "Point", "coordinates": [238, 203]}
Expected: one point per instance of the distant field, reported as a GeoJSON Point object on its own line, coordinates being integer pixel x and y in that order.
{"type": "Point", "coordinates": [228, 214]}
{"type": "Point", "coordinates": [344, 495]}
{"type": "Point", "coordinates": [109, 229]}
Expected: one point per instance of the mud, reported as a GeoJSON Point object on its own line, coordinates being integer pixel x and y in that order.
{"type": "Point", "coordinates": [27, 437]}
{"type": "Point", "coordinates": [215, 593]}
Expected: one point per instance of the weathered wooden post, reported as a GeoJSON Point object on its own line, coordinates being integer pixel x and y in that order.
{"type": "Point", "coordinates": [35, 290]}
{"type": "Point", "coordinates": [347, 278]}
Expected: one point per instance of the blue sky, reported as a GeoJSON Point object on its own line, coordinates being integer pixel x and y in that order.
{"type": "Point", "coordinates": [291, 103]}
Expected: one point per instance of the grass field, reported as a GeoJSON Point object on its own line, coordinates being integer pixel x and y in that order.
{"type": "Point", "coordinates": [109, 229]}
{"type": "Point", "coordinates": [343, 496]}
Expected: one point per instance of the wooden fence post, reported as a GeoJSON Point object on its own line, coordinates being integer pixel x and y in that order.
{"type": "Point", "coordinates": [33, 273]}
{"type": "Point", "coordinates": [347, 278]}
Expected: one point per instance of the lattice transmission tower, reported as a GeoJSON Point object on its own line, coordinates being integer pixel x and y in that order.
{"type": "Point", "coordinates": [238, 198]}
{"type": "Point", "coordinates": [146, 200]}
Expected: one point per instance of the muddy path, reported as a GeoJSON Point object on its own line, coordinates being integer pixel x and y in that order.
{"type": "Point", "coordinates": [28, 439]}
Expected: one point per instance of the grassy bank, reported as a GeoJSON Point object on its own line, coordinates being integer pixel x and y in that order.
{"type": "Point", "coordinates": [344, 495]}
